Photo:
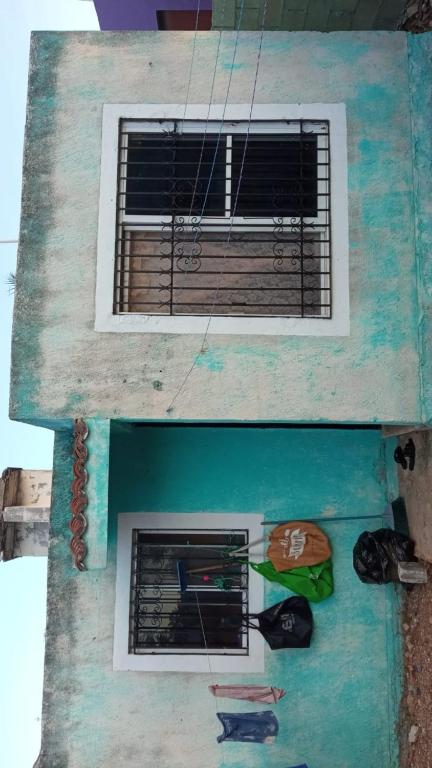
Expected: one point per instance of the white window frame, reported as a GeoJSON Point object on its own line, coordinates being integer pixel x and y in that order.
{"type": "Point", "coordinates": [107, 321]}
{"type": "Point", "coordinates": [173, 662]}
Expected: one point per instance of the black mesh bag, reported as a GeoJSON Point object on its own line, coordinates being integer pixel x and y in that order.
{"type": "Point", "coordinates": [288, 624]}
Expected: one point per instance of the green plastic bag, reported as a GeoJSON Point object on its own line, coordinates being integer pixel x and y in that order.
{"type": "Point", "coordinates": [315, 582]}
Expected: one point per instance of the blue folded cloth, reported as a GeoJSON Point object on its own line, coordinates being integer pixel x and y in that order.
{"type": "Point", "coordinates": [258, 727]}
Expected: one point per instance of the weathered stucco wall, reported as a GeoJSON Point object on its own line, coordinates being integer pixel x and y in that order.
{"type": "Point", "coordinates": [341, 701]}
{"type": "Point", "coordinates": [62, 368]}
{"type": "Point", "coordinates": [420, 60]}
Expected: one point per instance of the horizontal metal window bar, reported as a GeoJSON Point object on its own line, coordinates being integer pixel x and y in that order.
{"type": "Point", "coordinates": [212, 136]}
{"type": "Point", "coordinates": [218, 272]}
{"type": "Point", "coordinates": [167, 589]}
{"type": "Point", "coordinates": [208, 212]}
{"type": "Point", "coordinates": [187, 558]}
{"type": "Point", "coordinates": [227, 257]}
{"type": "Point", "coordinates": [249, 163]}
{"type": "Point", "coordinates": [235, 622]}
{"type": "Point", "coordinates": [138, 599]}
{"type": "Point", "coordinates": [300, 145]}
{"type": "Point", "coordinates": [282, 121]}
{"type": "Point", "coordinates": [177, 193]}
{"type": "Point", "coordinates": [186, 140]}
{"type": "Point", "coordinates": [203, 603]}
{"type": "Point", "coordinates": [155, 648]}
{"type": "Point", "coordinates": [202, 239]}
{"type": "Point", "coordinates": [213, 627]}
{"type": "Point", "coordinates": [213, 631]}
{"type": "Point", "coordinates": [245, 178]}
{"type": "Point", "coordinates": [175, 178]}
{"type": "Point", "coordinates": [227, 313]}
{"type": "Point", "coordinates": [156, 651]}
{"type": "Point", "coordinates": [222, 304]}
{"type": "Point", "coordinates": [190, 563]}
{"type": "Point", "coordinates": [236, 613]}
{"type": "Point", "coordinates": [185, 232]}
{"type": "Point", "coordinates": [144, 551]}
{"type": "Point", "coordinates": [191, 546]}
{"type": "Point", "coordinates": [234, 289]}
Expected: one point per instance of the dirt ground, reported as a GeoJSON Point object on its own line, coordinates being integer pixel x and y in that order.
{"type": "Point", "coordinates": [416, 709]}
{"type": "Point", "coordinates": [415, 726]}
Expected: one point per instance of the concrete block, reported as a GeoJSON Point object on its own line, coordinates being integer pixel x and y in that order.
{"type": "Point", "coordinates": [26, 514]}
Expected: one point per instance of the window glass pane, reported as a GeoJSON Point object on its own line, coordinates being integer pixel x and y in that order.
{"type": "Point", "coordinates": [279, 176]}
{"type": "Point", "coordinates": [168, 174]}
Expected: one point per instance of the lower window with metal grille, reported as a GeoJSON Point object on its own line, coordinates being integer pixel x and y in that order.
{"type": "Point", "coordinates": [225, 219]}
{"type": "Point", "coordinates": [208, 615]}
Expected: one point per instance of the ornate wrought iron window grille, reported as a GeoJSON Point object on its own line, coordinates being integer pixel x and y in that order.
{"type": "Point", "coordinates": [162, 618]}
{"type": "Point", "coordinates": [214, 220]}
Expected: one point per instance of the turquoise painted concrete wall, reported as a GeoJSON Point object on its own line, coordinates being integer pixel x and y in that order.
{"type": "Point", "coordinates": [62, 367]}
{"type": "Point", "coordinates": [340, 705]}
{"type": "Point", "coordinates": [420, 61]}
{"type": "Point", "coordinates": [276, 472]}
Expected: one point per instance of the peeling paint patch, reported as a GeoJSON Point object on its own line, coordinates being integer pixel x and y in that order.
{"type": "Point", "coordinates": [212, 359]}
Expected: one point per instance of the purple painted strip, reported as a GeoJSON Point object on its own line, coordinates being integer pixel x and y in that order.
{"type": "Point", "coordinates": [140, 14]}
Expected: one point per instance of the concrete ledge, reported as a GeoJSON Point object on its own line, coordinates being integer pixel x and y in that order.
{"type": "Point", "coordinates": [26, 514]}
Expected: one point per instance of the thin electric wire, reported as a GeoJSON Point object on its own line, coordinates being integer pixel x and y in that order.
{"type": "Point", "coordinates": [219, 134]}
{"type": "Point", "coordinates": [208, 116]}
{"type": "Point", "coordinates": [192, 60]}
{"type": "Point", "coordinates": [182, 385]}
{"type": "Point", "coordinates": [202, 350]}
{"type": "Point", "coordinates": [234, 211]}
{"type": "Point", "coordinates": [209, 664]}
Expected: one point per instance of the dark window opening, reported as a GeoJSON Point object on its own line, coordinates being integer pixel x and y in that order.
{"type": "Point", "coordinates": [278, 175]}
{"type": "Point", "coordinates": [184, 20]}
{"type": "Point", "coordinates": [174, 174]}
{"type": "Point", "coordinates": [209, 615]}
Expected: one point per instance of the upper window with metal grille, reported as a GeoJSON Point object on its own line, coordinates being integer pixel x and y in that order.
{"type": "Point", "coordinates": [223, 219]}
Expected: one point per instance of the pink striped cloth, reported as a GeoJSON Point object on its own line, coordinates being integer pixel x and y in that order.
{"type": "Point", "coordinates": [264, 694]}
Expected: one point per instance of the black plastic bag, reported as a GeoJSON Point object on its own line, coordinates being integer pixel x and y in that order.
{"type": "Point", "coordinates": [288, 624]}
{"type": "Point", "coordinates": [376, 555]}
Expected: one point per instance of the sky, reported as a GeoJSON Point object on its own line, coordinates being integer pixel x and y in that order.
{"type": "Point", "coordinates": [22, 581]}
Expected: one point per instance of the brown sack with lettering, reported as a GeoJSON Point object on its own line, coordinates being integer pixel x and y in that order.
{"type": "Point", "coordinates": [296, 544]}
